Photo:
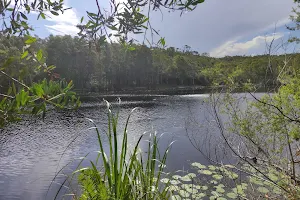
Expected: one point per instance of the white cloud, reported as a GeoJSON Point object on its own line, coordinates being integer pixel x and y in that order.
{"type": "Point", "coordinates": [64, 24]}
{"type": "Point", "coordinates": [233, 47]}
{"type": "Point", "coordinates": [215, 22]}
{"type": "Point", "coordinates": [277, 24]}
{"type": "Point", "coordinates": [62, 29]}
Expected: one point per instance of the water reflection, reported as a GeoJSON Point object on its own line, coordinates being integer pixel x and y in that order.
{"type": "Point", "coordinates": [31, 151]}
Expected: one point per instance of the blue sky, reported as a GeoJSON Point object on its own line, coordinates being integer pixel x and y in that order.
{"type": "Point", "coordinates": [231, 27]}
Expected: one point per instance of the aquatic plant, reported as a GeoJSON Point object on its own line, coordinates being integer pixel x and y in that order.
{"type": "Point", "coordinates": [226, 182]}
{"type": "Point", "coordinates": [122, 174]}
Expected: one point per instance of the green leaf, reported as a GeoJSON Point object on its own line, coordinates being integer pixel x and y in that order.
{"type": "Point", "coordinates": [277, 190]}
{"type": "Point", "coordinates": [38, 90]}
{"type": "Point", "coordinates": [165, 180]}
{"type": "Point", "coordinates": [204, 187]}
{"type": "Point", "coordinates": [112, 28]}
{"type": "Point", "coordinates": [273, 177]}
{"type": "Point", "coordinates": [191, 175]}
{"type": "Point", "coordinates": [217, 176]}
{"type": "Point", "coordinates": [39, 55]}
{"type": "Point", "coordinates": [131, 48]}
{"type": "Point", "coordinates": [14, 88]}
{"type": "Point", "coordinates": [51, 67]}
{"type": "Point", "coordinates": [23, 97]}
{"type": "Point", "coordinates": [54, 13]}
{"type": "Point", "coordinates": [43, 15]}
{"type": "Point", "coordinates": [256, 181]}
{"type": "Point", "coordinates": [175, 182]}
{"type": "Point", "coordinates": [197, 2]}
{"type": "Point", "coordinates": [146, 19]}
{"type": "Point", "coordinates": [176, 177]}
{"type": "Point", "coordinates": [162, 41]}
{"type": "Point", "coordinates": [263, 190]}
{"type": "Point", "coordinates": [186, 178]}
{"type": "Point", "coordinates": [81, 20]}
{"type": "Point", "coordinates": [24, 16]}
{"type": "Point", "coordinates": [7, 62]}
{"type": "Point", "coordinates": [92, 14]}
{"type": "Point", "coordinates": [24, 54]}
{"type": "Point", "coordinates": [206, 172]}
{"type": "Point", "coordinates": [198, 196]}
{"type": "Point", "coordinates": [70, 84]}
{"type": "Point", "coordinates": [199, 165]}
{"type": "Point", "coordinates": [30, 40]}
{"type": "Point", "coordinates": [184, 193]}
{"type": "Point", "coordinates": [220, 190]}
{"type": "Point", "coordinates": [232, 195]}
{"type": "Point", "coordinates": [27, 7]}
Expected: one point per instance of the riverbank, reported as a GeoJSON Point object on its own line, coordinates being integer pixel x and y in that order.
{"type": "Point", "coordinates": [146, 94]}
{"type": "Point", "coordinates": [142, 93]}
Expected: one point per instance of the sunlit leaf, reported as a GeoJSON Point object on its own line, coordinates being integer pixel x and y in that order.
{"type": "Point", "coordinates": [39, 55]}
{"type": "Point", "coordinates": [200, 166]}
{"type": "Point", "coordinates": [263, 190]}
{"type": "Point", "coordinates": [232, 195]}
{"type": "Point", "coordinates": [198, 195]}
{"type": "Point", "coordinates": [176, 197]}
{"type": "Point", "coordinates": [206, 172]}
{"type": "Point", "coordinates": [217, 176]}
{"type": "Point", "coordinates": [165, 180]}
{"type": "Point", "coordinates": [186, 178]}
{"type": "Point", "coordinates": [175, 182]}
{"type": "Point", "coordinates": [30, 40]}
{"type": "Point", "coordinates": [24, 54]}
{"type": "Point", "coordinates": [176, 177]}
{"type": "Point", "coordinates": [184, 193]}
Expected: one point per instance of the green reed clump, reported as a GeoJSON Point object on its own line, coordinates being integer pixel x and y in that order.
{"type": "Point", "coordinates": [124, 174]}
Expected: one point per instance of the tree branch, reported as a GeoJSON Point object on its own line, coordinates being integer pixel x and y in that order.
{"type": "Point", "coordinates": [7, 96]}
{"type": "Point", "coordinates": [276, 107]}
{"type": "Point", "coordinates": [17, 81]}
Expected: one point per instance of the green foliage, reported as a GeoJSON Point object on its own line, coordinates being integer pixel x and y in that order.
{"type": "Point", "coordinates": [124, 18]}
{"type": "Point", "coordinates": [268, 127]}
{"type": "Point", "coordinates": [17, 11]}
{"type": "Point", "coordinates": [115, 67]}
{"type": "Point", "coordinates": [27, 83]}
{"type": "Point", "coordinates": [124, 174]}
{"type": "Point", "coordinates": [204, 185]}
{"type": "Point", "coordinates": [34, 100]}
{"type": "Point", "coordinates": [295, 17]}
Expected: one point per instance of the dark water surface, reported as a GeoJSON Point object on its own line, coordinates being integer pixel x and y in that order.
{"type": "Point", "coordinates": [33, 151]}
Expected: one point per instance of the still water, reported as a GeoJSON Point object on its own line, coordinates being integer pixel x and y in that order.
{"type": "Point", "coordinates": [33, 151]}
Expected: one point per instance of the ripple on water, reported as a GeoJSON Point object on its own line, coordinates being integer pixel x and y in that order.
{"type": "Point", "coordinates": [31, 150]}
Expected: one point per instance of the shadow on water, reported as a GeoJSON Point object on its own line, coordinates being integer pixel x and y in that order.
{"type": "Point", "coordinates": [33, 151]}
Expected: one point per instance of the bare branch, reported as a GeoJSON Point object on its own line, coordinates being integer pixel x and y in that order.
{"type": "Point", "coordinates": [17, 81]}
{"type": "Point", "coordinates": [7, 96]}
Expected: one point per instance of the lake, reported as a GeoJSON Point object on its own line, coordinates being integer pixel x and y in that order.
{"type": "Point", "coordinates": [33, 151]}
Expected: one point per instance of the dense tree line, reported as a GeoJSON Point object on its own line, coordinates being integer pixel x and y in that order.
{"type": "Point", "coordinates": [114, 67]}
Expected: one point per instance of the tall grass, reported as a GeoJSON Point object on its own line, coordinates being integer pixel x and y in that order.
{"type": "Point", "coordinates": [121, 173]}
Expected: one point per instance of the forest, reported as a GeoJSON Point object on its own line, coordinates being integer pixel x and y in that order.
{"type": "Point", "coordinates": [113, 67]}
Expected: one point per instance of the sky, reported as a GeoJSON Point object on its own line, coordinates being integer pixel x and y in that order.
{"type": "Point", "coordinates": [219, 27]}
